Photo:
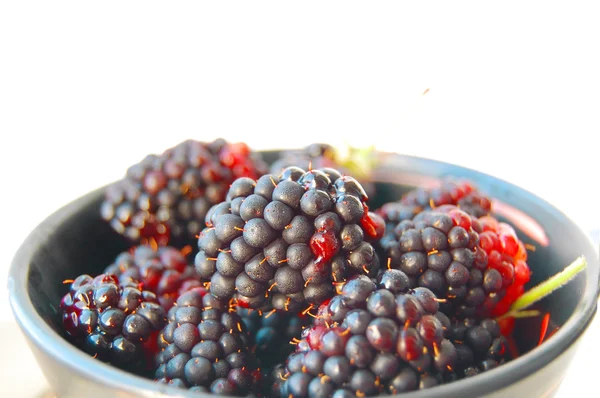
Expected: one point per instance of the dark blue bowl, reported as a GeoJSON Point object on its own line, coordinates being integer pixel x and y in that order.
{"type": "Point", "coordinates": [75, 240]}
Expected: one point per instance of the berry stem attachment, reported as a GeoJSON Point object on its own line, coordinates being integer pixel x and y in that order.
{"type": "Point", "coordinates": [545, 288]}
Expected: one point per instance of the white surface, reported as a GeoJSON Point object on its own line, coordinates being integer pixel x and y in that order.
{"type": "Point", "coordinates": [88, 89]}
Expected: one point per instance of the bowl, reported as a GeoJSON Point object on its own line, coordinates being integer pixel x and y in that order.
{"type": "Point", "coordinates": [75, 240]}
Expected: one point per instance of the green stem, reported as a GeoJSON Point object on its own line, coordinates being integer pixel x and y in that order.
{"type": "Point", "coordinates": [542, 290]}
{"type": "Point", "coordinates": [527, 314]}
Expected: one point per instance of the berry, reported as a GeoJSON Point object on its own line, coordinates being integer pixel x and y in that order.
{"type": "Point", "coordinates": [458, 257]}
{"type": "Point", "coordinates": [164, 271]}
{"type": "Point", "coordinates": [111, 321]}
{"type": "Point", "coordinates": [332, 161]}
{"type": "Point", "coordinates": [368, 340]}
{"type": "Point", "coordinates": [164, 198]}
{"type": "Point", "coordinates": [459, 193]}
{"type": "Point", "coordinates": [205, 344]}
{"type": "Point", "coordinates": [316, 155]}
{"type": "Point", "coordinates": [479, 344]}
{"type": "Point", "coordinates": [289, 239]}
{"type": "Point", "coordinates": [507, 264]}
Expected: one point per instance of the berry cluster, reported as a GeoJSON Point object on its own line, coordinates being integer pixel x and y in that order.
{"type": "Point", "coordinates": [459, 193]}
{"type": "Point", "coordinates": [164, 271]}
{"type": "Point", "coordinates": [285, 239]}
{"type": "Point", "coordinates": [110, 321]}
{"type": "Point", "coordinates": [373, 338]}
{"type": "Point", "coordinates": [204, 347]}
{"type": "Point", "coordinates": [477, 265]}
{"type": "Point", "coordinates": [164, 198]}
{"type": "Point", "coordinates": [479, 345]}
{"type": "Point", "coordinates": [382, 302]}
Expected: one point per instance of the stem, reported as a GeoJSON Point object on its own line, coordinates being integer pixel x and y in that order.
{"type": "Point", "coordinates": [527, 314]}
{"type": "Point", "coordinates": [542, 290]}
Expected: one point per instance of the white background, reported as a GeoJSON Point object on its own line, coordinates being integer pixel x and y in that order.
{"type": "Point", "coordinates": [88, 89]}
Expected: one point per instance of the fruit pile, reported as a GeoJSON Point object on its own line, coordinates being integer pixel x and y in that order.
{"type": "Point", "coordinates": [294, 286]}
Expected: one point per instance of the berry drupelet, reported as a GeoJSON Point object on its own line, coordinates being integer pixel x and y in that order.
{"type": "Point", "coordinates": [112, 322]}
{"type": "Point", "coordinates": [283, 240]}
{"type": "Point", "coordinates": [204, 347]}
{"type": "Point", "coordinates": [163, 198]}
{"type": "Point", "coordinates": [164, 271]}
{"type": "Point", "coordinates": [459, 193]}
{"type": "Point", "coordinates": [479, 344]}
{"type": "Point", "coordinates": [372, 338]}
{"type": "Point", "coordinates": [472, 263]}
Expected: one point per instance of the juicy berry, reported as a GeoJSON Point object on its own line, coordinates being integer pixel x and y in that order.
{"type": "Point", "coordinates": [477, 265]}
{"type": "Point", "coordinates": [451, 192]}
{"type": "Point", "coordinates": [164, 271]}
{"type": "Point", "coordinates": [110, 321]}
{"type": "Point", "coordinates": [204, 347]}
{"type": "Point", "coordinates": [163, 198]}
{"type": "Point", "coordinates": [370, 340]}
{"type": "Point", "coordinates": [285, 238]}
{"type": "Point", "coordinates": [479, 344]}
{"type": "Point", "coordinates": [508, 257]}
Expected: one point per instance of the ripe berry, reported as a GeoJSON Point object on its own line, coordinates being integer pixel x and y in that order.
{"type": "Point", "coordinates": [368, 340]}
{"type": "Point", "coordinates": [458, 257]}
{"type": "Point", "coordinates": [164, 271]}
{"type": "Point", "coordinates": [287, 243]}
{"type": "Point", "coordinates": [111, 321]}
{"type": "Point", "coordinates": [459, 193]}
{"type": "Point", "coordinates": [205, 345]}
{"type": "Point", "coordinates": [164, 198]}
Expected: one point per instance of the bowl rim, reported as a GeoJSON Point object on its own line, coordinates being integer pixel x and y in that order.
{"type": "Point", "coordinates": [56, 347]}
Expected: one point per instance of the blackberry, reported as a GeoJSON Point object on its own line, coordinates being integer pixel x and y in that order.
{"type": "Point", "coordinates": [451, 192]}
{"type": "Point", "coordinates": [368, 341]}
{"type": "Point", "coordinates": [357, 162]}
{"type": "Point", "coordinates": [458, 257]}
{"type": "Point", "coordinates": [163, 198]}
{"type": "Point", "coordinates": [205, 346]}
{"type": "Point", "coordinates": [271, 332]}
{"type": "Point", "coordinates": [164, 271]}
{"type": "Point", "coordinates": [479, 344]}
{"type": "Point", "coordinates": [112, 322]}
{"type": "Point", "coordinates": [289, 239]}
{"type": "Point", "coordinates": [318, 155]}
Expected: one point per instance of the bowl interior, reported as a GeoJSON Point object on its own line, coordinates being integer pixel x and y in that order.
{"type": "Point", "coordinates": [83, 243]}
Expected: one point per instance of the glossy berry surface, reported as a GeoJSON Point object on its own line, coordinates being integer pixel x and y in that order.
{"type": "Point", "coordinates": [480, 345]}
{"type": "Point", "coordinates": [164, 271]}
{"type": "Point", "coordinates": [368, 340]}
{"type": "Point", "coordinates": [205, 346]}
{"type": "Point", "coordinates": [477, 266]}
{"type": "Point", "coordinates": [164, 198]}
{"type": "Point", "coordinates": [283, 240]}
{"type": "Point", "coordinates": [112, 322]}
